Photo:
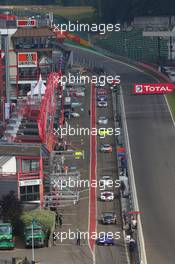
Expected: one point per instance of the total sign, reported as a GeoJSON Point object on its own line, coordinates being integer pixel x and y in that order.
{"type": "Point", "coordinates": [153, 88]}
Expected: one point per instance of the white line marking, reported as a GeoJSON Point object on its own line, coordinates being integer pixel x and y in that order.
{"type": "Point", "coordinates": [144, 260]}
{"type": "Point", "coordinates": [171, 114]}
{"type": "Point", "coordinates": [169, 108]}
{"type": "Point", "coordinates": [126, 250]}
{"type": "Point", "coordinates": [90, 141]}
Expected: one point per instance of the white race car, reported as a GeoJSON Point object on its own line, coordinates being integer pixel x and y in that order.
{"type": "Point", "coordinates": [102, 120]}
{"type": "Point", "coordinates": [102, 104]}
{"type": "Point", "coordinates": [107, 196]}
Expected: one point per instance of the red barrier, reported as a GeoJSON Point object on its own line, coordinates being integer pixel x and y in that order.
{"type": "Point", "coordinates": [150, 68]}
{"type": "Point", "coordinates": [47, 111]}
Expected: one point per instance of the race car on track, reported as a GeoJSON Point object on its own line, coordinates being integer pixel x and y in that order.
{"type": "Point", "coordinates": [108, 218]}
{"type": "Point", "coordinates": [101, 98]}
{"type": "Point", "coordinates": [102, 104]}
{"type": "Point", "coordinates": [68, 114]}
{"type": "Point", "coordinates": [107, 196]}
{"type": "Point", "coordinates": [103, 132]}
{"type": "Point", "coordinates": [105, 239]}
{"type": "Point", "coordinates": [106, 148]}
{"type": "Point", "coordinates": [102, 120]}
{"type": "Point", "coordinates": [102, 92]}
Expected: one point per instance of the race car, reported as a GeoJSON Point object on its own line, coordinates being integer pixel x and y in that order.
{"type": "Point", "coordinates": [101, 98]}
{"type": "Point", "coordinates": [103, 132]}
{"type": "Point", "coordinates": [102, 120]}
{"type": "Point", "coordinates": [106, 148]}
{"type": "Point", "coordinates": [102, 104]}
{"type": "Point", "coordinates": [105, 239]}
{"type": "Point", "coordinates": [107, 196]}
{"type": "Point", "coordinates": [108, 218]}
{"type": "Point", "coordinates": [102, 92]}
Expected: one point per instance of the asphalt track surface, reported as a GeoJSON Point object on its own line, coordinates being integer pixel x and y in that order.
{"type": "Point", "coordinates": [93, 166]}
{"type": "Point", "coordinates": [152, 140]}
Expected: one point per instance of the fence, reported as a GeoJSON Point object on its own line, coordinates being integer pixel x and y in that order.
{"type": "Point", "coordinates": [133, 45]}
{"type": "Point", "coordinates": [18, 261]}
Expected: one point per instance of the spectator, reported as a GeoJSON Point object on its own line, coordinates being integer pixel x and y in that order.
{"type": "Point", "coordinates": [127, 238]}
{"type": "Point", "coordinates": [134, 223]}
{"type": "Point", "coordinates": [132, 244]}
{"type": "Point", "coordinates": [61, 220]}
{"type": "Point", "coordinates": [78, 237]}
{"type": "Point", "coordinates": [56, 218]}
{"type": "Point", "coordinates": [54, 238]}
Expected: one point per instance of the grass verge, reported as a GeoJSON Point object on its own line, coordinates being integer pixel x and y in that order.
{"type": "Point", "coordinates": [171, 101]}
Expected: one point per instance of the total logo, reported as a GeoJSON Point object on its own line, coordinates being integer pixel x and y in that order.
{"type": "Point", "coordinates": [153, 88]}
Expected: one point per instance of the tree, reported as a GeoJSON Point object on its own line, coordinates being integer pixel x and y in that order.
{"type": "Point", "coordinates": [11, 210]}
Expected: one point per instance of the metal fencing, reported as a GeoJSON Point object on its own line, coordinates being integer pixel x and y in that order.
{"type": "Point", "coordinates": [140, 254]}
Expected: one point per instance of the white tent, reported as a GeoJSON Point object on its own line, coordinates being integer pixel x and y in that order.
{"type": "Point", "coordinates": [39, 89]}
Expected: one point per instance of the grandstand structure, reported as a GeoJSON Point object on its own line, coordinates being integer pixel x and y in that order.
{"type": "Point", "coordinates": [146, 39]}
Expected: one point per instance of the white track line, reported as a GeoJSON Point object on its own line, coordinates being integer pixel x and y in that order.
{"type": "Point", "coordinates": [93, 253]}
{"type": "Point", "coordinates": [171, 114]}
{"type": "Point", "coordinates": [144, 261]}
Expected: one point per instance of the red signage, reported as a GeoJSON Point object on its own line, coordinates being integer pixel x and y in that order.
{"type": "Point", "coordinates": [27, 59]}
{"type": "Point", "coordinates": [135, 213]}
{"type": "Point", "coordinates": [153, 88]}
{"type": "Point", "coordinates": [26, 23]}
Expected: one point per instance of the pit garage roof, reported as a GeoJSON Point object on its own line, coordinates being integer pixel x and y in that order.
{"type": "Point", "coordinates": [34, 32]}
{"type": "Point", "coordinates": [22, 149]}
{"type": "Point", "coordinates": [4, 159]}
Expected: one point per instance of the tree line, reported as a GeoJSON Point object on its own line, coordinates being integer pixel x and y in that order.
{"type": "Point", "coordinates": [111, 10]}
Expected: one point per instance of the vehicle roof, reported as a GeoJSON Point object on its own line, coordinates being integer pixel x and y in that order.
{"type": "Point", "coordinates": [102, 117]}
{"type": "Point", "coordinates": [108, 213]}
{"type": "Point", "coordinates": [108, 192]}
{"type": "Point", "coordinates": [106, 177]}
{"type": "Point", "coordinates": [34, 226]}
{"type": "Point", "coordinates": [5, 224]}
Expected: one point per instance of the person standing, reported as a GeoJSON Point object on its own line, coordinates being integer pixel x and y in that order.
{"type": "Point", "coordinates": [56, 218]}
{"type": "Point", "coordinates": [132, 244]}
{"type": "Point", "coordinates": [61, 220]}
{"type": "Point", "coordinates": [78, 237]}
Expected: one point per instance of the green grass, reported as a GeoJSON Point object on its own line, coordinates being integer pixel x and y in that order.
{"type": "Point", "coordinates": [171, 101]}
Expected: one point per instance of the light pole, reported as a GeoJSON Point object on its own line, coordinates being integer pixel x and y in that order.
{"type": "Point", "coordinates": [33, 246]}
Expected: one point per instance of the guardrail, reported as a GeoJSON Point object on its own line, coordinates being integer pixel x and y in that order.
{"type": "Point", "coordinates": [140, 65]}
{"type": "Point", "coordinates": [134, 201]}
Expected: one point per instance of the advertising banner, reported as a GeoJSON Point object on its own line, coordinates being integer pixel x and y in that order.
{"type": "Point", "coordinates": [27, 59]}
{"type": "Point", "coordinates": [153, 88]}
{"type": "Point", "coordinates": [26, 23]}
